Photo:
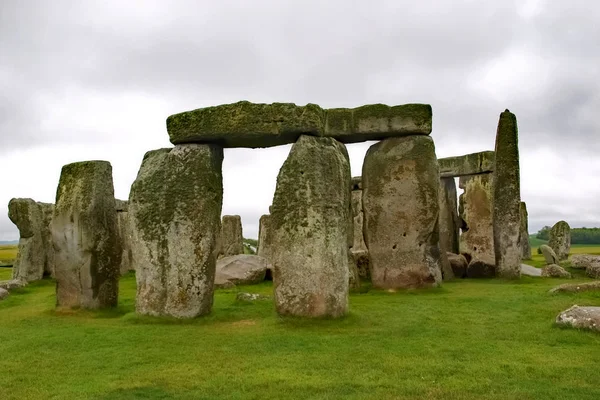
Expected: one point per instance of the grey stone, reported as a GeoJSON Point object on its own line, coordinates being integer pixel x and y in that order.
{"type": "Point", "coordinates": [560, 240]}
{"type": "Point", "coordinates": [3, 294]}
{"type": "Point", "coordinates": [358, 221]}
{"type": "Point", "coordinates": [85, 237]}
{"type": "Point", "coordinates": [482, 268]}
{"type": "Point", "coordinates": [580, 318]}
{"type": "Point", "coordinates": [175, 211]}
{"type": "Point", "coordinates": [576, 287]}
{"type": "Point", "coordinates": [242, 269]}
{"type": "Point", "coordinates": [232, 239]}
{"type": "Point", "coordinates": [476, 212]}
{"type": "Point", "coordinates": [582, 261]}
{"type": "Point", "coordinates": [507, 198]}
{"type": "Point", "coordinates": [401, 208]}
{"type": "Point", "coordinates": [353, 274]}
{"type": "Point", "coordinates": [12, 284]}
{"type": "Point", "coordinates": [530, 271]}
{"type": "Point", "coordinates": [549, 254]}
{"type": "Point", "coordinates": [525, 246]}
{"type": "Point", "coordinates": [265, 247]}
{"type": "Point", "coordinates": [555, 271]}
{"type": "Point", "coordinates": [309, 224]}
{"type": "Point", "coordinates": [363, 265]}
{"type": "Point", "coordinates": [449, 220]}
{"type": "Point", "coordinates": [251, 297]}
{"type": "Point", "coordinates": [124, 227]}
{"type": "Point", "coordinates": [593, 271]}
{"type": "Point", "coordinates": [458, 263]}
{"type": "Point", "coordinates": [469, 164]}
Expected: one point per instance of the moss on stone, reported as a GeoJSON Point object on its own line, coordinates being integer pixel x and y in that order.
{"type": "Point", "coordinates": [468, 164]}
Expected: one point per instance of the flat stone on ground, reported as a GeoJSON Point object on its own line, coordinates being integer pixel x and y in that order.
{"type": "Point", "coordinates": [580, 318]}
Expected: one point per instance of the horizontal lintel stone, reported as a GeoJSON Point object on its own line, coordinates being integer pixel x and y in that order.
{"type": "Point", "coordinates": [469, 164]}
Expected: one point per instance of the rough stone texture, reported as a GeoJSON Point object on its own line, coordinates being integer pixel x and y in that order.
{"type": "Point", "coordinates": [353, 274]}
{"type": "Point", "coordinates": [593, 271]}
{"type": "Point", "coordinates": [530, 271]}
{"type": "Point", "coordinates": [525, 246]}
{"type": "Point", "coordinates": [232, 239]}
{"type": "Point", "coordinates": [449, 220]}
{"type": "Point", "coordinates": [507, 198]}
{"type": "Point", "coordinates": [482, 268]}
{"type": "Point", "coordinates": [85, 237]}
{"type": "Point", "coordinates": [363, 265]}
{"type": "Point", "coordinates": [3, 294]}
{"type": "Point", "coordinates": [242, 269]}
{"type": "Point", "coordinates": [265, 247]}
{"type": "Point", "coordinates": [124, 227]}
{"type": "Point", "coordinates": [580, 318]}
{"type": "Point", "coordinates": [476, 213]}
{"type": "Point", "coordinates": [358, 221]}
{"type": "Point", "coordinates": [12, 284]}
{"type": "Point", "coordinates": [549, 254]}
{"type": "Point", "coordinates": [245, 124]}
{"type": "Point", "coordinates": [35, 257]}
{"type": "Point", "coordinates": [576, 287]}
{"type": "Point", "coordinates": [555, 271]}
{"type": "Point", "coordinates": [446, 267]}
{"type": "Point", "coordinates": [560, 240]}
{"type": "Point", "coordinates": [469, 164]}
{"type": "Point", "coordinates": [582, 261]}
{"type": "Point", "coordinates": [175, 212]}
{"type": "Point", "coordinates": [459, 264]}
{"type": "Point", "coordinates": [357, 183]}
{"type": "Point", "coordinates": [309, 228]}
{"type": "Point", "coordinates": [401, 209]}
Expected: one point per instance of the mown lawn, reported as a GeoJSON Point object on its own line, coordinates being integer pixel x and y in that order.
{"type": "Point", "coordinates": [7, 254]}
{"type": "Point", "coordinates": [470, 339]}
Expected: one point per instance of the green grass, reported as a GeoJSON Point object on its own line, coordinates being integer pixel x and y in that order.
{"type": "Point", "coordinates": [7, 254]}
{"type": "Point", "coordinates": [470, 339]}
{"type": "Point", "coordinates": [535, 242]}
{"type": "Point", "coordinates": [5, 273]}
{"type": "Point", "coordinates": [538, 259]}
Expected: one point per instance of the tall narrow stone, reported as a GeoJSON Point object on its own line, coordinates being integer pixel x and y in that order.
{"type": "Point", "coordinates": [86, 238]}
{"type": "Point", "coordinates": [525, 246]}
{"type": "Point", "coordinates": [175, 213]}
{"type": "Point", "coordinates": [401, 209]}
{"type": "Point", "coordinates": [309, 223]}
{"type": "Point", "coordinates": [232, 239]}
{"type": "Point", "coordinates": [449, 221]}
{"type": "Point", "coordinates": [125, 234]}
{"type": "Point", "coordinates": [507, 199]}
{"type": "Point", "coordinates": [264, 242]}
{"type": "Point", "coordinates": [560, 240]}
{"type": "Point", "coordinates": [476, 212]}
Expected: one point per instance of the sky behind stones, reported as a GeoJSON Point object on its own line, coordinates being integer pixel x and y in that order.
{"type": "Point", "coordinates": [84, 80]}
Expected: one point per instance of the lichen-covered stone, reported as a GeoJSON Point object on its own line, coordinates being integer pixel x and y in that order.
{"type": "Point", "coordinates": [242, 269]}
{"type": "Point", "coordinates": [401, 209]}
{"type": "Point", "coordinates": [264, 240]}
{"type": "Point", "coordinates": [555, 271]}
{"type": "Point", "coordinates": [449, 221]}
{"type": "Point", "coordinates": [582, 261]}
{"type": "Point", "coordinates": [507, 198]}
{"type": "Point", "coordinates": [560, 240]}
{"type": "Point", "coordinates": [363, 265]}
{"type": "Point", "coordinates": [309, 223]}
{"type": "Point", "coordinates": [459, 264]}
{"type": "Point", "coordinates": [175, 213]}
{"type": "Point", "coordinates": [469, 164]}
{"type": "Point", "coordinates": [593, 271]}
{"type": "Point", "coordinates": [232, 239]}
{"type": "Point", "coordinates": [549, 254]}
{"type": "Point", "coordinates": [476, 213]}
{"type": "Point", "coordinates": [580, 318]}
{"type": "Point", "coordinates": [124, 227]}
{"type": "Point", "coordinates": [358, 221]}
{"type": "Point", "coordinates": [85, 237]}
{"type": "Point", "coordinates": [525, 246]}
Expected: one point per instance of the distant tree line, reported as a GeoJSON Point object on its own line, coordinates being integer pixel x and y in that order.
{"type": "Point", "coordinates": [578, 235]}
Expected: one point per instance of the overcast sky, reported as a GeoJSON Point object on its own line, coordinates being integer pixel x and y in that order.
{"type": "Point", "coordinates": [83, 80]}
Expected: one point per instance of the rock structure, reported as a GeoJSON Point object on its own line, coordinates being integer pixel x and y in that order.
{"type": "Point", "coordinates": [469, 164]}
{"type": "Point", "coordinates": [309, 228]}
{"type": "Point", "coordinates": [232, 239]}
{"type": "Point", "coordinates": [124, 227]}
{"type": "Point", "coordinates": [549, 255]}
{"type": "Point", "coordinates": [580, 318]}
{"type": "Point", "coordinates": [593, 271]}
{"type": "Point", "coordinates": [476, 214]}
{"type": "Point", "coordinates": [175, 211]}
{"type": "Point", "coordinates": [85, 237]}
{"type": "Point", "coordinates": [401, 209]}
{"type": "Point", "coordinates": [264, 242]}
{"type": "Point", "coordinates": [449, 220]}
{"type": "Point", "coordinates": [530, 271]}
{"type": "Point", "coordinates": [583, 261]}
{"type": "Point", "coordinates": [525, 246]}
{"type": "Point", "coordinates": [242, 269]}
{"type": "Point", "coordinates": [560, 240]}
{"type": "Point", "coordinates": [3, 294]}
{"type": "Point", "coordinates": [459, 264]}
{"type": "Point", "coordinates": [358, 243]}
{"type": "Point", "coordinates": [507, 199]}
{"type": "Point", "coordinates": [35, 257]}
{"type": "Point", "coordinates": [555, 271]}
{"type": "Point", "coordinates": [576, 287]}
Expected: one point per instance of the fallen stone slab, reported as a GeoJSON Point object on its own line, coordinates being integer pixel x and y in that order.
{"type": "Point", "coordinates": [12, 284]}
{"type": "Point", "coordinates": [582, 261]}
{"type": "Point", "coordinates": [242, 269]}
{"type": "Point", "coordinates": [593, 271]}
{"type": "Point", "coordinates": [580, 318]}
{"type": "Point", "coordinates": [3, 294]}
{"type": "Point", "coordinates": [555, 271]}
{"type": "Point", "coordinates": [469, 164]}
{"type": "Point", "coordinates": [530, 270]}
{"type": "Point", "coordinates": [576, 287]}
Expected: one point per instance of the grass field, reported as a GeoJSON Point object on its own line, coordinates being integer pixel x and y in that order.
{"type": "Point", "coordinates": [7, 254]}
{"type": "Point", "coordinates": [469, 339]}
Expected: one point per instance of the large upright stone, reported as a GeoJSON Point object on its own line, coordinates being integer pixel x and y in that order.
{"type": "Point", "coordinates": [525, 246]}
{"type": "Point", "coordinates": [264, 239]}
{"type": "Point", "coordinates": [175, 212]}
{"type": "Point", "coordinates": [449, 221]}
{"type": "Point", "coordinates": [86, 238]}
{"type": "Point", "coordinates": [309, 223]}
{"type": "Point", "coordinates": [124, 226]}
{"type": "Point", "coordinates": [232, 239]}
{"type": "Point", "coordinates": [469, 164]}
{"type": "Point", "coordinates": [357, 219]}
{"type": "Point", "coordinates": [507, 199]}
{"type": "Point", "coordinates": [560, 240]}
{"type": "Point", "coordinates": [476, 212]}
{"type": "Point", "coordinates": [401, 209]}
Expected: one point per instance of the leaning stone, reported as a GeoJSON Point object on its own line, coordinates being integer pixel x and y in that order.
{"type": "Point", "coordinates": [459, 264]}
{"type": "Point", "coordinates": [401, 209]}
{"type": "Point", "coordinates": [251, 297]}
{"type": "Point", "coordinates": [482, 268]}
{"type": "Point", "coordinates": [309, 223]}
{"type": "Point", "coordinates": [576, 287]}
{"type": "Point", "coordinates": [593, 271]}
{"type": "Point", "coordinates": [507, 198]}
{"type": "Point", "coordinates": [85, 237]}
{"type": "Point", "coordinates": [582, 261]}
{"type": "Point", "coordinates": [232, 239]}
{"type": "Point", "coordinates": [555, 271]}
{"type": "Point", "coordinates": [580, 318]}
{"type": "Point", "coordinates": [242, 269]}
{"type": "Point", "coordinates": [476, 214]}
{"type": "Point", "coordinates": [525, 246]}
{"type": "Point", "coordinates": [175, 212]}
{"type": "Point", "coordinates": [560, 240]}
{"type": "Point", "coordinates": [549, 254]}
{"type": "Point", "coordinates": [3, 294]}
{"type": "Point", "coordinates": [449, 221]}
{"type": "Point", "coordinates": [469, 164]}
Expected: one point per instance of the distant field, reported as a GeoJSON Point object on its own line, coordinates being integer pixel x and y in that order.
{"type": "Point", "coordinates": [7, 254]}
{"type": "Point", "coordinates": [535, 242]}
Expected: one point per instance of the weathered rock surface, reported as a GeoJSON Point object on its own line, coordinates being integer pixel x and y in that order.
{"type": "Point", "coordinates": [3, 294]}
{"type": "Point", "coordinates": [555, 271]}
{"type": "Point", "coordinates": [580, 318]}
{"type": "Point", "coordinates": [469, 164]}
{"type": "Point", "coordinates": [593, 271]}
{"type": "Point", "coordinates": [242, 269]}
{"type": "Point", "coordinates": [363, 265]}
{"type": "Point", "coordinates": [251, 297]}
{"type": "Point", "coordinates": [560, 240]}
{"type": "Point", "coordinates": [232, 239]}
{"type": "Point", "coordinates": [525, 246]}
{"type": "Point", "coordinates": [507, 198]}
{"type": "Point", "coordinates": [476, 213]}
{"type": "Point", "coordinates": [582, 261]}
{"type": "Point", "coordinates": [358, 221]}
{"type": "Point", "coordinates": [124, 227]}
{"type": "Point", "coordinates": [576, 287]}
{"type": "Point", "coordinates": [459, 264]}
{"type": "Point", "coordinates": [175, 211]}
{"type": "Point", "coordinates": [265, 246]}
{"type": "Point", "coordinates": [245, 124]}
{"type": "Point", "coordinates": [85, 237]}
{"type": "Point", "coordinates": [549, 254]}
{"type": "Point", "coordinates": [353, 274]}
{"type": "Point", "coordinates": [357, 183]}
{"type": "Point", "coordinates": [309, 228]}
{"type": "Point", "coordinates": [401, 208]}
{"type": "Point", "coordinates": [530, 271]}
{"type": "Point", "coordinates": [482, 268]}
{"type": "Point", "coordinates": [12, 284]}
{"type": "Point", "coordinates": [449, 220]}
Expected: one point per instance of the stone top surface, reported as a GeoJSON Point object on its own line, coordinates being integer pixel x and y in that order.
{"type": "Point", "coordinates": [246, 124]}
{"type": "Point", "coordinates": [468, 164]}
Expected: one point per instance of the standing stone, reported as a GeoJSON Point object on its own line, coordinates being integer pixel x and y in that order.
{"type": "Point", "coordinates": [560, 240]}
{"type": "Point", "coordinates": [232, 240]}
{"type": "Point", "coordinates": [449, 222]}
{"type": "Point", "coordinates": [47, 212]}
{"type": "Point", "coordinates": [358, 217]}
{"type": "Point", "coordinates": [264, 243]}
{"type": "Point", "coordinates": [124, 226]}
{"type": "Point", "coordinates": [86, 237]}
{"type": "Point", "coordinates": [175, 208]}
{"type": "Point", "coordinates": [525, 246]}
{"type": "Point", "coordinates": [309, 223]}
{"type": "Point", "coordinates": [401, 209]}
{"type": "Point", "coordinates": [549, 255]}
{"type": "Point", "coordinates": [507, 199]}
